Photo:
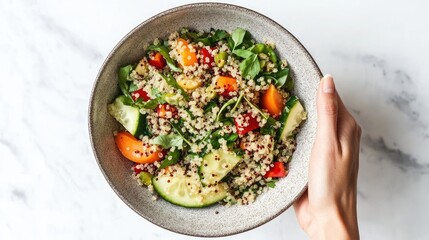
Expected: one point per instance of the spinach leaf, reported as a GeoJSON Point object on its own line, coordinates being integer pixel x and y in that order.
{"type": "Point", "coordinates": [171, 158]}
{"type": "Point", "coordinates": [176, 128]}
{"type": "Point", "coordinates": [123, 74]}
{"type": "Point", "coordinates": [165, 52]}
{"type": "Point", "coordinates": [250, 67]}
{"type": "Point", "coordinates": [172, 82]}
{"type": "Point", "coordinates": [237, 37]}
{"type": "Point", "coordinates": [168, 141]}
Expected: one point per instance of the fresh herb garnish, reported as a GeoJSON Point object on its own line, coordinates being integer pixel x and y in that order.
{"type": "Point", "coordinates": [176, 128]}
{"type": "Point", "coordinates": [269, 127]}
{"type": "Point", "coordinates": [123, 74]}
{"type": "Point", "coordinates": [238, 37]}
{"type": "Point", "coordinates": [168, 141]}
{"type": "Point", "coordinates": [165, 52]}
{"type": "Point", "coordinates": [171, 158]}
{"type": "Point", "coordinates": [256, 108]}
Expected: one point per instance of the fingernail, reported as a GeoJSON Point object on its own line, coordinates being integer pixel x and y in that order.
{"type": "Point", "coordinates": [328, 84]}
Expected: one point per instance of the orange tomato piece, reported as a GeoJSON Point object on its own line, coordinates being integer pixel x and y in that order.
{"type": "Point", "coordinates": [272, 101]}
{"type": "Point", "coordinates": [134, 150]}
{"type": "Point", "coordinates": [189, 58]}
{"type": "Point", "coordinates": [228, 84]}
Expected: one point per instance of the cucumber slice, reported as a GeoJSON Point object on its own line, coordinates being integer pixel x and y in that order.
{"type": "Point", "coordinates": [216, 165]}
{"type": "Point", "coordinates": [291, 117]}
{"type": "Point", "coordinates": [187, 191]}
{"type": "Point", "coordinates": [129, 116]}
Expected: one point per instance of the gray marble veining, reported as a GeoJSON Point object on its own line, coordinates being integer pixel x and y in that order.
{"type": "Point", "coordinates": [51, 187]}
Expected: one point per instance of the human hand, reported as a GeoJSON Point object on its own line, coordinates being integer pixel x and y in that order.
{"type": "Point", "coordinates": [327, 210]}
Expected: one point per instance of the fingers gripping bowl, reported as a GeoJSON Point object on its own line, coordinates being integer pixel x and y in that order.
{"type": "Point", "coordinates": [216, 220]}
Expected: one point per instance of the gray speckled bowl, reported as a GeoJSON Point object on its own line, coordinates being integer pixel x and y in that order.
{"type": "Point", "coordinates": [216, 220]}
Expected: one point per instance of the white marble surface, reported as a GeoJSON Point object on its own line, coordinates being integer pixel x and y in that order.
{"type": "Point", "coordinates": [50, 52]}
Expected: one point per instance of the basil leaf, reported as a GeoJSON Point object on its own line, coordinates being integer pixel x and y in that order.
{"type": "Point", "coordinates": [243, 53]}
{"type": "Point", "coordinates": [237, 36]}
{"type": "Point", "coordinates": [281, 79]}
{"type": "Point", "coordinates": [250, 67]}
{"type": "Point", "coordinates": [171, 158]}
{"type": "Point", "coordinates": [168, 141]}
{"type": "Point", "coordinates": [165, 52]}
{"type": "Point", "coordinates": [123, 74]}
{"type": "Point", "coordinates": [176, 128]}
{"type": "Point", "coordinates": [172, 82]}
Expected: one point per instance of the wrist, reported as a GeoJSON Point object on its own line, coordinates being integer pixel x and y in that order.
{"type": "Point", "coordinates": [334, 224]}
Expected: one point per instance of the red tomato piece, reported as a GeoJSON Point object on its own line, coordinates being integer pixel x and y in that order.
{"type": "Point", "coordinates": [140, 94]}
{"type": "Point", "coordinates": [157, 60]}
{"type": "Point", "coordinates": [137, 170]}
{"type": "Point", "coordinates": [166, 111]}
{"type": "Point", "coordinates": [246, 123]}
{"type": "Point", "coordinates": [207, 56]}
{"type": "Point", "coordinates": [277, 171]}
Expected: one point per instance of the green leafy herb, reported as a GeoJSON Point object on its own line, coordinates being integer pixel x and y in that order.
{"type": "Point", "coordinates": [281, 79]}
{"type": "Point", "coordinates": [243, 53]}
{"type": "Point", "coordinates": [256, 108]}
{"type": "Point", "coordinates": [269, 127]}
{"type": "Point", "coordinates": [205, 38]}
{"type": "Point", "coordinates": [171, 158]}
{"type": "Point", "coordinates": [238, 37]}
{"type": "Point", "coordinates": [124, 73]}
{"type": "Point", "coordinates": [151, 104]}
{"type": "Point", "coordinates": [168, 141]}
{"type": "Point", "coordinates": [209, 106]}
{"type": "Point", "coordinates": [165, 53]}
{"type": "Point", "coordinates": [132, 87]}
{"type": "Point", "coordinates": [250, 67]}
{"type": "Point", "coordinates": [232, 137]}
{"type": "Point", "coordinates": [176, 128]}
{"type": "Point", "coordinates": [271, 184]}
{"type": "Point", "coordinates": [220, 35]}
{"type": "Point", "coordinates": [225, 105]}
{"type": "Point", "coordinates": [238, 102]}
{"type": "Point", "coordinates": [172, 82]}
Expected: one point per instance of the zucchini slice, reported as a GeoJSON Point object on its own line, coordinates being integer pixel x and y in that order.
{"type": "Point", "coordinates": [291, 118]}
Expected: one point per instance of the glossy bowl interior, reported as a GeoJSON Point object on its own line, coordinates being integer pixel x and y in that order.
{"type": "Point", "coordinates": [216, 220]}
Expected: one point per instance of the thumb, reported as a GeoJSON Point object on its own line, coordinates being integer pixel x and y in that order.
{"type": "Point", "coordinates": [327, 108]}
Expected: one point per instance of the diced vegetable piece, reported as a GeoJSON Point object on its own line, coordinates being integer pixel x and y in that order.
{"type": "Point", "coordinates": [277, 171]}
{"type": "Point", "coordinates": [188, 83]}
{"type": "Point", "coordinates": [272, 101]}
{"type": "Point", "coordinates": [141, 67]}
{"type": "Point", "coordinates": [134, 150]}
{"type": "Point", "coordinates": [187, 191]}
{"type": "Point", "coordinates": [207, 57]}
{"type": "Point", "coordinates": [166, 111]}
{"type": "Point", "coordinates": [216, 165]}
{"type": "Point", "coordinates": [189, 58]}
{"type": "Point", "coordinates": [146, 178]}
{"type": "Point", "coordinates": [129, 116]}
{"type": "Point", "coordinates": [221, 58]}
{"type": "Point", "coordinates": [157, 60]}
{"type": "Point", "coordinates": [291, 118]}
{"type": "Point", "coordinates": [246, 123]}
{"type": "Point", "coordinates": [140, 94]}
{"type": "Point", "coordinates": [228, 84]}
{"type": "Point", "coordinates": [211, 93]}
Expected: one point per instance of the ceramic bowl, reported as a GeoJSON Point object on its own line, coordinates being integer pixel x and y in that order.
{"type": "Point", "coordinates": [216, 220]}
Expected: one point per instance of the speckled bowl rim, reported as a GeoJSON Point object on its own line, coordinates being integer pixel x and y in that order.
{"type": "Point", "coordinates": [153, 18]}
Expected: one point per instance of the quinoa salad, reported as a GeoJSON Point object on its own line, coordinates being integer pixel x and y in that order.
{"type": "Point", "coordinates": [208, 117]}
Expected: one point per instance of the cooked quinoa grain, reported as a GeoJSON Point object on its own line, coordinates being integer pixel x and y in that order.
{"type": "Point", "coordinates": [208, 118]}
